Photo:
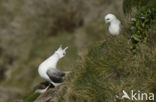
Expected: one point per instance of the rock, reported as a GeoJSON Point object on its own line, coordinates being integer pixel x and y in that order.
{"type": "Point", "coordinates": [50, 96]}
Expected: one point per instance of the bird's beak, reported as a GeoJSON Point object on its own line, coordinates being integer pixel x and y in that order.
{"type": "Point", "coordinates": [65, 48]}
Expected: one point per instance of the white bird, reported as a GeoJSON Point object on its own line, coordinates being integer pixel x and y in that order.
{"type": "Point", "coordinates": [48, 69]}
{"type": "Point", "coordinates": [114, 27]}
{"type": "Point", "coordinates": [125, 95]}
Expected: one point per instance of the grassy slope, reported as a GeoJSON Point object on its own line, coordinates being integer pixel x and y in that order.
{"type": "Point", "coordinates": [109, 68]}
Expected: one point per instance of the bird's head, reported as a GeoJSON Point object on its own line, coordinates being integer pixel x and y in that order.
{"type": "Point", "coordinates": [61, 52]}
{"type": "Point", "coordinates": [109, 18]}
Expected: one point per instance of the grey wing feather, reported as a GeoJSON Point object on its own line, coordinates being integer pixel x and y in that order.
{"type": "Point", "coordinates": [55, 75]}
{"type": "Point", "coordinates": [60, 73]}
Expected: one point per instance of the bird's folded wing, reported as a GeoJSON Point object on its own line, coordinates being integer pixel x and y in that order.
{"type": "Point", "coordinates": [60, 73]}
{"type": "Point", "coordinates": [55, 75]}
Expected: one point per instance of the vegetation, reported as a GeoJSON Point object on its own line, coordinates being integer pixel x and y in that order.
{"type": "Point", "coordinates": [109, 68]}
{"type": "Point", "coordinates": [128, 5]}
{"type": "Point", "coordinates": [141, 26]}
{"type": "Point", "coordinates": [102, 65]}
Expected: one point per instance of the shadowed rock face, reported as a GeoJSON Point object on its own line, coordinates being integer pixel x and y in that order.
{"type": "Point", "coordinates": [1, 50]}
{"type": "Point", "coordinates": [2, 71]}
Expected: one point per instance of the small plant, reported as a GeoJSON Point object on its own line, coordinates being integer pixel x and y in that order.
{"type": "Point", "coordinates": [129, 4]}
{"type": "Point", "coordinates": [141, 24]}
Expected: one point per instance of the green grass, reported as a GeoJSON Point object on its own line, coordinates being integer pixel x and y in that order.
{"type": "Point", "coordinates": [32, 98]}
{"type": "Point", "coordinates": [109, 68]}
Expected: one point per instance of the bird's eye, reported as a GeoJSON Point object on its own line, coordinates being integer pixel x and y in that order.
{"type": "Point", "coordinates": [107, 19]}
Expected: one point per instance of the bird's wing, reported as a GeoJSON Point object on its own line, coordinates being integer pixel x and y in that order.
{"type": "Point", "coordinates": [55, 75]}
{"type": "Point", "coordinates": [60, 73]}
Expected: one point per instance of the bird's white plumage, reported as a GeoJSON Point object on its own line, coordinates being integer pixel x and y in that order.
{"type": "Point", "coordinates": [114, 27]}
{"type": "Point", "coordinates": [51, 63]}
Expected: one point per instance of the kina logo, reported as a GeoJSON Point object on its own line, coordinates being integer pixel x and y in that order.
{"type": "Point", "coordinates": [137, 95]}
